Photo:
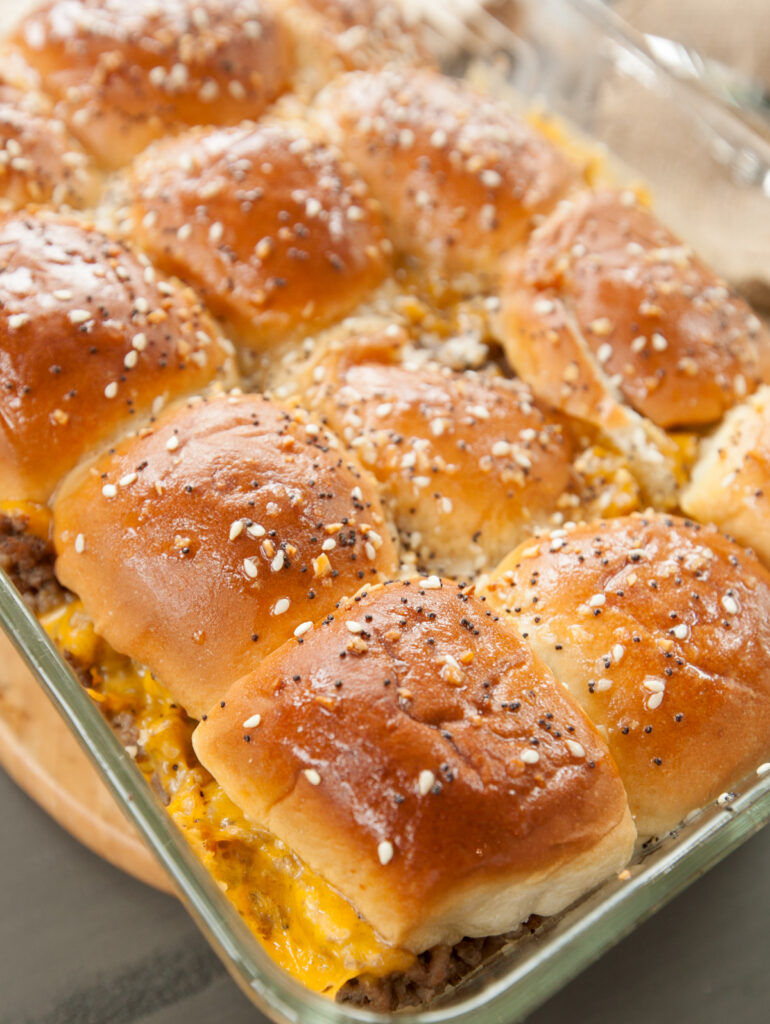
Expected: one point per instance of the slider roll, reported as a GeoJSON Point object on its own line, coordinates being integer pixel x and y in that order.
{"type": "Point", "coordinates": [415, 753]}
{"type": "Point", "coordinates": [93, 342]}
{"type": "Point", "coordinates": [205, 541]}
{"type": "Point", "coordinates": [659, 627]}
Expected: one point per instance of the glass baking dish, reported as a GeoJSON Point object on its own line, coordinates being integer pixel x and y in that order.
{"type": "Point", "coordinates": [574, 58]}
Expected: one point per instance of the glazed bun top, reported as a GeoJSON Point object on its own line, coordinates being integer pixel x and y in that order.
{"type": "Point", "coordinates": [607, 303]}
{"type": "Point", "coordinates": [40, 162]}
{"type": "Point", "coordinates": [460, 177]}
{"type": "Point", "coordinates": [91, 341]}
{"type": "Point", "coordinates": [470, 463]}
{"type": "Point", "coordinates": [660, 628]}
{"type": "Point", "coordinates": [269, 226]}
{"type": "Point", "coordinates": [205, 541]}
{"type": "Point", "coordinates": [416, 754]}
{"type": "Point", "coordinates": [129, 71]}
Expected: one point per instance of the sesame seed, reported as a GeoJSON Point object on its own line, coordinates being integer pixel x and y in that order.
{"type": "Point", "coordinates": [111, 390]}
{"type": "Point", "coordinates": [216, 231]}
{"type": "Point", "coordinates": [354, 627]}
{"type": "Point", "coordinates": [303, 627]}
{"type": "Point", "coordinates": [78, 316]}
{"type": "Point", "coordinates": [618, 651]}
{"type": "Point", "coordinates": [659, 343]}
{"type": "Point", "coordinates": [127, 480]}
{"type": "Point", "coordinates": [255, 531]}
{"type": "Point", "coordinates": [431, 583]}
{"type": "Point", "coordinates": [139, 342]}
{"type": "Point", "coordinates": [109, 490]}
{"type": "Point", "coordinates": [654, 685]}
{"type": "Point", "coordinates": [252, 722]}
{"type": "Point", "coordinates": [80, 544]}
{"type": "Point", "coordinates": [130, 359]}
{"type": "Point", "coordinates": [329, 544]}
{"type": "Point", "coordinates": [682, 631]}
{"type": "Point", "coordinates": [575, 748]}
{"type": "Point", "coordinates": [597, 600]}
{"type": "Point", "coordinates": [604, 353]}
{"type": "Point", "coordinates": [172, 443]}
{"type": "Point", "coordinates": [425, 781]}
{"type": "Point", "coordinates": [281, 606]}
{"type": "Point", "coordinates": [184, 232]}
{"type": "Point", "coordinates": [763, 769]}
{"type": "Point", "coordinates": [543, 307]}
{"type": "Point", "coordinates": [250, 567]}
{"type": "Point", "coordinates": [385, 852]}
{"type": "Point", "coordinates": [729, 604]}
{"type": "Point", "coordinates": [371, 553]}
{"type": "Point", "coordinates": [312, 776]}
{"type": "Point", "coordinates": [236, 528]}
{"type": "Point", "coordinates": [602, 685]}
{"type": "Point", "coordinates": [654, 701]}
{"type": "Point", "coordinates": [491, 179]}
{"type": "Point", "coordinates": [530, 756]}
{"type": "Point", "coordinates": [62, 294]}
{"type": "Point", "coordinates": [278, 562]}
{"type": "Point", "coordinates": [17, 320]}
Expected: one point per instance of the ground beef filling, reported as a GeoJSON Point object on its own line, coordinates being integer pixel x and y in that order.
{"type": "Point", "coordinates": [433, 972]}
{"type": "Point", "coordinates": [28, 561]}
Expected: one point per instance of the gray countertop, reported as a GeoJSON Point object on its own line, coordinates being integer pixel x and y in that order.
{"type": "Point", "coordinates": [81, 943]}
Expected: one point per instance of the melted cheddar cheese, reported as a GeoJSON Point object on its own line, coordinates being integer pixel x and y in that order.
{"type": "Point", "coordinates": [304, 924]}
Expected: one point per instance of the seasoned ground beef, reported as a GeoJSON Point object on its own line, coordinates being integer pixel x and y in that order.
{"type": "Point", "coordinates": [435, 970]}
{"type": "Point", "coordinates": [29, 561]}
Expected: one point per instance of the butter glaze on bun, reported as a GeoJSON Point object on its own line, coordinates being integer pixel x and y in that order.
{"type": "Point", "coordinates": [607, 305]}
{"type": "Point", "coordinates": [201, 544]}
{"type": "Point", "coordinates": [730, 482]}
{"type": "Point", "coordinates": [274, 232]}
{"type": "Point", "coordinates": [40, 162]}
{"type": "Point", "coordinates": [416, 754]}
{"type": "Point", "coordinates": [459, 176]}
{"type": "Point", "coordinates": [91, 342]}
{"type": "Point", "coordinates": [469, 463]}
{"type": "Point", "coordinates": [660, 629]}
{"type": "Point", "coordinates": [126, 72]}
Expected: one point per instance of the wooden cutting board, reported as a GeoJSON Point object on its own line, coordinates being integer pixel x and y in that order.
{"type": "Point", "coordinates": [41, 755]}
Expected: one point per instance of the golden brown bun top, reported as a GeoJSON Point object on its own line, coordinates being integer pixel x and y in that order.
{"type": "Point", "coordinates": [40, 162]}
{"type": "Point", "coordinates": [667, 334]}
{"type": "Point", "coordinates": [660, 628]}
{"type": "Point", "coordinates": [410, 747]}
{"type": "Point", "coordinates": [270, 227]}
{"type": "Point", "coordinates": [468, 461]}
{"type": "Point", "coordinates": [208, 538]}
{"type": "Point", "coordinates": [90, 342]}
{"type": "Point", "coordinates": [130, 71]}
{"type": "Point", "coordinates": [459, 176]}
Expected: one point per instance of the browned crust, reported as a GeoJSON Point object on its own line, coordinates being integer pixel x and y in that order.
{"type": "Point", "coordinates": [470, 463]}
{"type": "Point", "coordinates": [411, 677]}
{"type": "Point", "coordinates": [459, 176]}
{"type": "Point", "coordinates": [158, 572]}
{"type": "Point", "coordinates": [272, 229]}
{"type": "Point", "coordinates": [684, 699]}
{"type": "Point", "coordinates": [91, 341]}
{"type": "Point", "coordinates": [130, 72]}
{"type": "Point", "coordinates": [607, 304]}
